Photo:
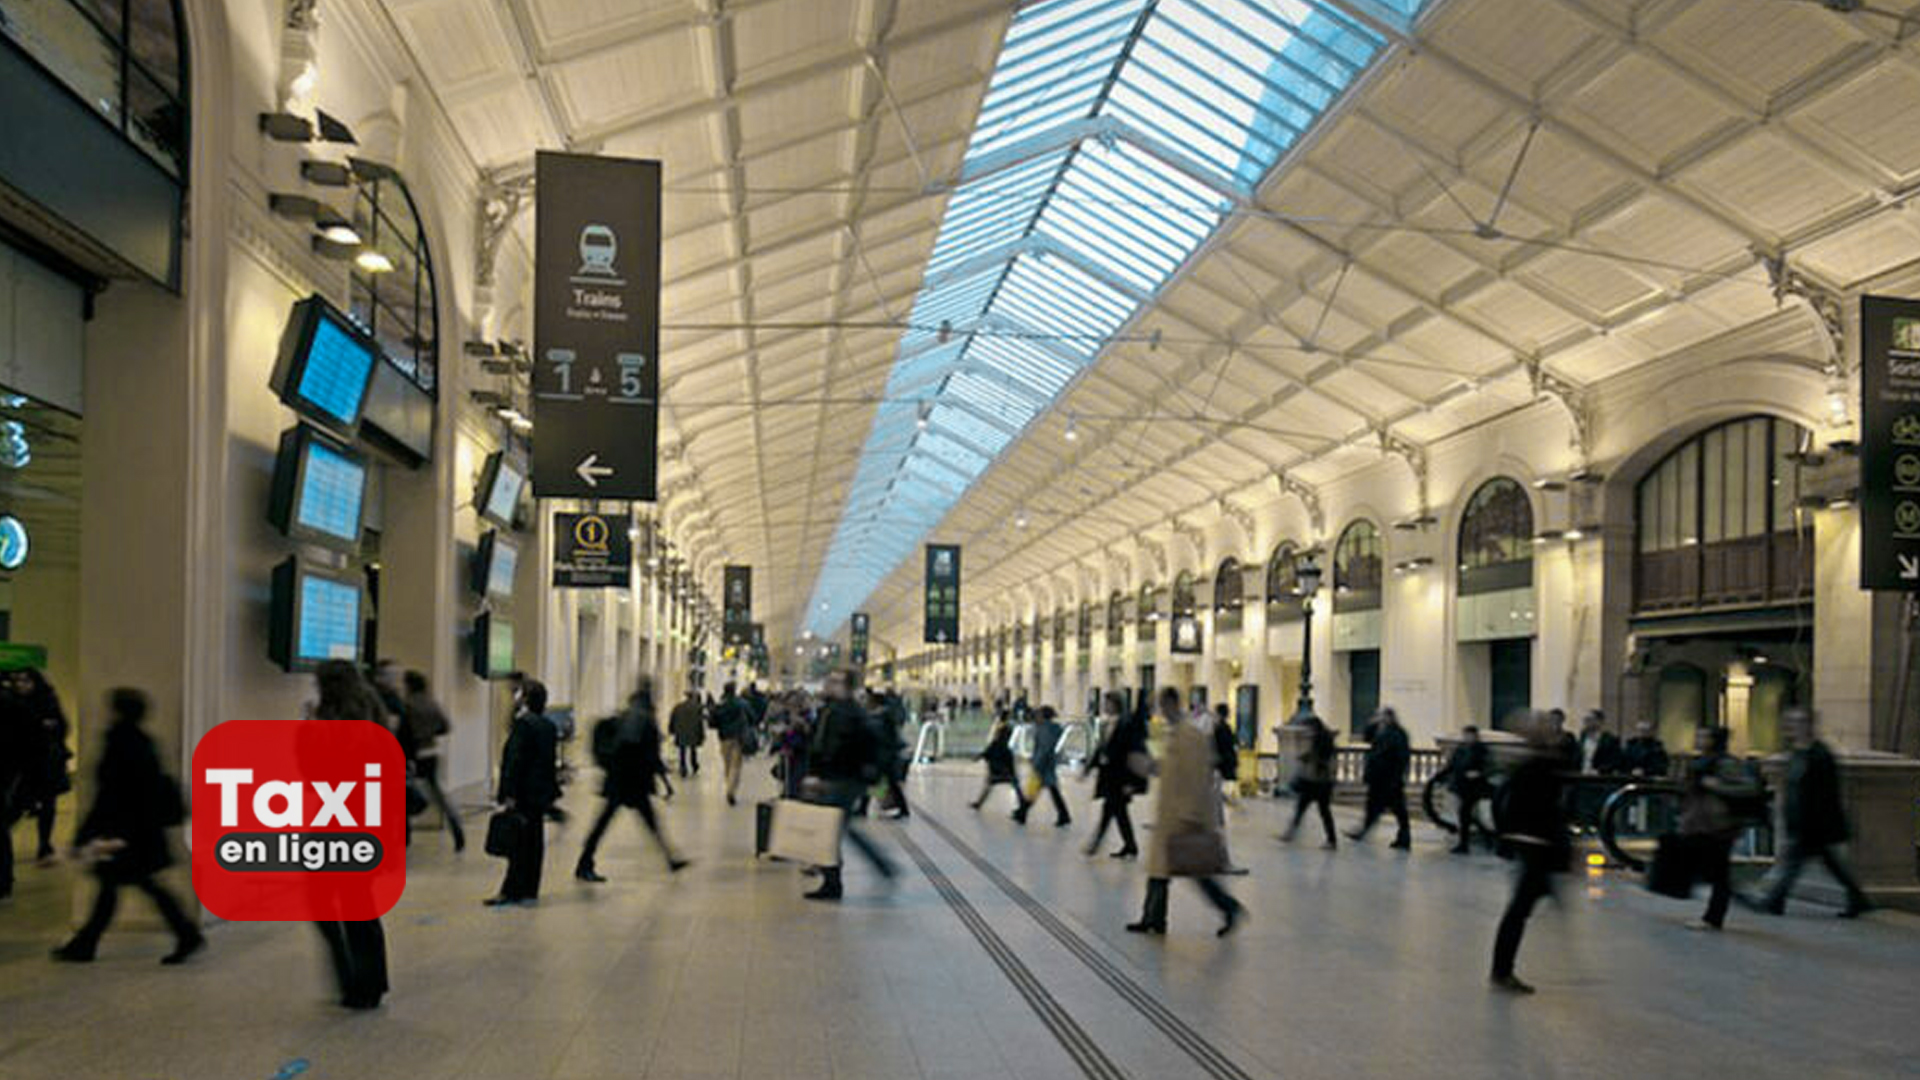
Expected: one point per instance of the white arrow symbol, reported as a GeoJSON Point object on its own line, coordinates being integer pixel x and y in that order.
{"type": "Point", "coordinates": [1909, 567]}
{"type": "Point", "coordinates": [590, 470]}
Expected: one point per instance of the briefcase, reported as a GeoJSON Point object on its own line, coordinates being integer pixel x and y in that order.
{"type": "Point", "coordinates": [1672, 871]}
{"type": "Point", "coordinates": [805, 832]}
{"type": "Point", "coordinates": [503, 833]}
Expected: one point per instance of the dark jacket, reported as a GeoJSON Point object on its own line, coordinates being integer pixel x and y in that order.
{"type": "Point", "coordinates": [422, 721]}
{"type": "Point", "coordinates": [130, 793]}
{"type": "Point", "coordinates": [1467, 770]}
{"type": "Point", "coordinates": [1814, 814]}
{"type": "Point", "coordinates": [1720, 798]}
{"type": "Point", "coordinates": [1226, 750]}
{"type": "Point", "coordinates": [1388, 756]}
{"type": "Point", "coordinates": [842, 745]}
{"type": "Point", "coordinates": [1117, 778]}
{"type": "Point", "coordinates": [636, 759]}
{"type": "Point", "coordinates": [688, 722]}
{"type": "Point", "coordinates": [1645, 757]}
{"type": "Point", "coordinates": [528, 773]}
{"type": "Point", "coordinates": [1530, 812]}
{"type": "Point", "coordinates": [730, 719]}
{"type": "Point", "coordinates": [1567, 748]}
{"type": "Point", "coordinates": [1046, 751]}
{"type": "Point", "coordinates": [1607, 756]}
{"type": "Point", "coordinates": [999, 752]}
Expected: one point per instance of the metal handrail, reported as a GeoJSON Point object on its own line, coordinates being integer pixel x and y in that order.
{"type": "Point", "coordinates": [1615, 804]}
{"type": "Point", "coordinates": [937, 729]}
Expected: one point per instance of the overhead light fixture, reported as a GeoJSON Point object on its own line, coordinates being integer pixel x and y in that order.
{"type": "Point", "coordinates": [286, 127]}
{"type": "Point", "coordinates": [1417, 563]}
{"type": "Point", "coordinates": [373, 262]}
{"type": "Point", "coordinates": [1547, 536]}
{"type": "Point", "coordinates": [1585, 475]}
{"type": "Point", "coordinates": [305, 208]}
{"type": "Point", "coordinates": [1421, 520]}
{"type": "Point", "coordinates": [1020, 519]}
{"type": "Point", "coordinates": [341, 234]}
{"type": "Point", "coordinates": [1549, 483]}
{"type": "Point", "coordinates": [326, 173]}
{"type": "Point", "coordinates": [926, 413]}
{"type": "Point", "coordinates": [1072, 433]}
{"type": "Point", "coordinates": [332, 130]}
{"type": "Point", "coordinates": [341, 250]}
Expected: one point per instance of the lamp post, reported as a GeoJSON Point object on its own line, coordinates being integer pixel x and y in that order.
{"type": "Point", "coordinates": [1306, 583]}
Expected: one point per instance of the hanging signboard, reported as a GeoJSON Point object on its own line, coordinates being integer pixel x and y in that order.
{"type": "Point", "coordinates": [857, 647]}
{"type": "Point", "coordinates": [1889, 443]}
{"type": "Point", "coordinates": [943, 594]}
{"type": "Point", "coordinates": [737, 611]}
{"type": "Point", "coordinates": [591, 551]}
{"type": "Point", "coordinates": [596, 376]}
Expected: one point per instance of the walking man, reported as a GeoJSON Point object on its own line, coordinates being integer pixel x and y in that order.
{"type": "Point", "coordinates": [1816, 821]}
{"type": "Point", "coordinates": [1385, 773]}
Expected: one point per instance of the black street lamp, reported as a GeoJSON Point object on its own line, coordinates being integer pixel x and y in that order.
{"type": "Point", "coordinates": [1306, 583]}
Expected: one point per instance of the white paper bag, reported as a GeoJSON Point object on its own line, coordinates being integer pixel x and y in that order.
{"type": "Point", "coordinates": [805, 832]}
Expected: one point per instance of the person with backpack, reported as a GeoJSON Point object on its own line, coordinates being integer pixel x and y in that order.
{"type": "Point", "coordinates": [626, 746]}
{"type": "Point", "coordinates": [844, 764]}
{"type": "Point", "coordinates": [731, 722]}
{"type": "Point", "coordinates": [124, 834]}
{"type": "Point", "coordinates": [424, 724]}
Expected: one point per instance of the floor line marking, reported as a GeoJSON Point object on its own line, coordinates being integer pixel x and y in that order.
{"type": "Point", "coordinates": [1196, 1045]}
{"type": "Point", "coordinates": [1087, 1054]}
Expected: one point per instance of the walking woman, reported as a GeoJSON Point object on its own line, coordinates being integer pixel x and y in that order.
{"type": "Point", "coordinates": [358, 948]}
{"type": "Point", "coordinates": [1313, 783]}
{"type": "Point", "coordinates": [1000, 768]}
{"type": "Point", "coordinates": [1123, 764]}
{"type": "Point", "coordinates": [133, 804]}
{"type": "Point", "coordinates": [1187, 839]}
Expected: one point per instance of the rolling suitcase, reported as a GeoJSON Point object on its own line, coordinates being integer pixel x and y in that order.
{"type": "Point", "coordinates": [762, 826]}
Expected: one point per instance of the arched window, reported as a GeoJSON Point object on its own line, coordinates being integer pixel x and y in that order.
{"type": "Point", "coordinates": [1144, 607]}
{"type": "Point", "coordinates": [1059, 631]}
{"type": "Point", "coordinates": [1716, 522]}
{"type": "Point", "coordinates": [1284, 603]}
{"type": "Point", "coordinates": [1496, 538]}
{"type": "Point", "coordinates": [1117, 618]}
{"type": "Point", "coordinates": [1229, 586]}
{"type": "Point", "coordinates": [1084, 631]}
{"type": "Point", "coordinates": [126, 59]}
{"type": "Point", "coordinates": [1356, 568]}
{"type": "Point", "coordinates": [391, 288]}
{"type": "Point", "coordinates": [1183, 593]}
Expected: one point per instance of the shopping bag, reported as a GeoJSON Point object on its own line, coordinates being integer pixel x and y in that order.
{"type": "Point", "coordinates": [1032, 786]}
{"type": "Point", "coordinates": [503, 833]}
{"type": "Point", "coordinates": [805, 832]}
{"type": "Point", "coordinates": [1672, 871]}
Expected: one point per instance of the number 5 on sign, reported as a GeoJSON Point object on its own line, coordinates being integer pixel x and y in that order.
{"type": "Point", "coordinates": [632, 367]}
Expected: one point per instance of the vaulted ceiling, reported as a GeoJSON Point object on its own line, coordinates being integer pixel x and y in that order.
{"type": "Point", "coordinates": [1508, 188]}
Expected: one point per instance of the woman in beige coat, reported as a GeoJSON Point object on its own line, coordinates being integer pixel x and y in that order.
{"type": "Point", "coordinates": [1187, 840]}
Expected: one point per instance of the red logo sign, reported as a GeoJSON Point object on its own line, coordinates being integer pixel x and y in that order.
{"type": "Point", "coordinates": [299, 820]}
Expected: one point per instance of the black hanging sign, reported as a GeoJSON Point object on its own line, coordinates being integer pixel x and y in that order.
{"type": "Point", "coordinates": [737, 607]}
{"type": "Point", "coordinates": [857, 647]}
{"type": "Point", "coordinates": [943, 594]}
{"type": "Point", "coordinates": [1889, 443]}
{"type": "Point", "coordinates": [591, 551]}
{"type": "Point", "coordinates": [596, 372]}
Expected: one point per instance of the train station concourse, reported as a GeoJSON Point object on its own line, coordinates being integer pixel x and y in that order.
{"type": "Point", "coordinates": [1440, 476]}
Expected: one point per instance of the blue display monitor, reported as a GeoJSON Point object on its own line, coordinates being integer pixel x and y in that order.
{"type": "Point", "coordinates": [494, 561]}
{"type": "Point", "coordinates": [501, 479]}
{"type": "Point", "coordinates": [316, 615]}
{"type": "Point", "coordinates": [319, 489]}
{"type": "Point", "coordinates": [325, 366]}
{"type": "Point", "coordinates": [492, 646]}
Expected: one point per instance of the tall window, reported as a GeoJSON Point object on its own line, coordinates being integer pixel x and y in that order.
{"type": "Point", "coordinates": [1084, 631]}
{"type": "Point", "coordinates": [1716, 523]}
{"type": "Point", "coordinates": [1356, 568]}
{"type": "Point", "coordinates": [1183, 593]}
{"type": "Point", "coordinates": [1059, 632]}
{"type": "Point", "coordinates": [1228, 595]}
{"type": "Point", "coordinates": [1117, 618]}
{"type": "Point", "coordinates": [1145, 607]}
{"type": "Point", "coordinates": [1284, 603]}
{"type": "Point", "coordinates": [1496, 539]}
{"type": "Point", "coordinates": [125, 58]}
{"type": "Point", "coordinates": [393, 295]}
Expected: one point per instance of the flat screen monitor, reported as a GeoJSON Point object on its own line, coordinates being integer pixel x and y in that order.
{"type": "Point", "coordinates": [319, 488]}
{"type": "Point", "coordinates": [325, 365]}
{"type": "Point", "coordinates": [494, 562]}
{"type": "Point", "coordinates": [492, 646]}
{"type": "Point", "coordinates": [500, 482]}
{"type": "Point", "coordinates": [316, 615]}
{"type": "Point", "coordinates": [399, 416]}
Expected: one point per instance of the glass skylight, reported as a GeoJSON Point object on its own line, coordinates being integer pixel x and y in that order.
{"type": "Point", "coordinates": [1115, 137]}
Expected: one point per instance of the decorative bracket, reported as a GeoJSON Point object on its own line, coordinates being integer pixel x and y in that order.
{"type": "Point", "coordinates": [1575, 399]}
{"type": "Point", "coordinates": [1414, 455]}
{"type": "Point", "coordinates": [501, 200]}
{"type": "Point", "coordinates": [1193, 536]}
{"type": "Point", "coordinates": [1119, 570]}
{"type": "Point", "coordinates": [1155, 551]}
{"type": "Point", "coordinates": [1309, 498]}
{"type": "Point", "coordinates": [1823, 303]}
{"type": "Point", "coordinates": [1240, 516]}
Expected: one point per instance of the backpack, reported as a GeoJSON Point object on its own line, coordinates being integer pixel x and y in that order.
{"type": "Point", "coordinates": [606, 741]}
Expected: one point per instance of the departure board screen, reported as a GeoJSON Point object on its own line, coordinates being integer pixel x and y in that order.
{"type": "Point", "coordinates": [504, 495]}
{"type": "Point", "coordinates": [331, 492]}
{"type": "Point", "coordinates": [329, 619]}
{"type": "Point", "coordinates": [334, 377]}
{"type": "Point", "coordinates": [500, 571]}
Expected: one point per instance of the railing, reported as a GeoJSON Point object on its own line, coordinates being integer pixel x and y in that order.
{"type": "Point", "coordinates": [1349, 765]}
{"type": "Point", "coordinates": [1633, 819]}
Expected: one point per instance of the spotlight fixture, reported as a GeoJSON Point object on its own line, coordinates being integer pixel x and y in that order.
{"type": "Point", "coordinates": [1585, 475]}
{"type": "Point", "coordinates": [305, 208]}
{"type": "Point", "coordinates": [332, 130]}
{"type": "Point", "coordinates": [1020, 519]}
{"type": "Point", "coordinates": [373, 262]}
{"type": "Point", "coordinates": [1072, 432]}
{"type": "Point", "coordinates": [926, 413]}
{"type": "Point", "coordinates": [325, 173]}
{"type": "Point", "coordinates": [341, 234]}
{"type": "Point", "coordinates": [1417, 563]}
{"type": "Point", "coordinates": [328, 247]}
{"type": "Point", "coordinates": [1547, 536]}
{"type": "Point", "coordinates": [286, 127]}
{"type": "Point", "coordinates": [1422, 520]}
{"type": "Point", "coordinates": [1549, 483]}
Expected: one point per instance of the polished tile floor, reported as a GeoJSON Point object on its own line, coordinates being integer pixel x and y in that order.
{"type": "Point", "coordinates": [998, 954]}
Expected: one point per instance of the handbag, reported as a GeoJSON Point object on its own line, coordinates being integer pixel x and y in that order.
{"type": "Point", "coordinates": [1199, 853]}
{"type": "Point", "coordinates": [1672, 871]}
{"type": "Point", "coordinates": [503, 833]}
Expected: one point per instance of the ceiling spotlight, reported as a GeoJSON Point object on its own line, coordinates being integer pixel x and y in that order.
{"type": "Point", "coordinates": [373, 262]}
{"type": "Point", "coordinates": [1073, 433]}
{"type": "Point", "coordinates": [1549, 483]}
{"type": "Point", "coordinates": [926, 413]}
{"type": "Point", "coordinates": [341, 234]}
{"type": "Point", "coordinates": [1020, 519]}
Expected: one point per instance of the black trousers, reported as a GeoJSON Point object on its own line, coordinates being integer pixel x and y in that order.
{"type": "Point", "coordinates": [6, 852]}
{"type": "Point", "coordinates": [992, 781]}
{"type": "Point", "coordinates": [428, 770]}
{"type": "Point", "coordinates": [1716, 872]}
{"type": "Point", "coordinates": [689, 760]}
{"type": "Point", "coordinates": [1154, 911]}
{"type": "Point", "coordinates": [1384, 798]}
{"type": "Point", "coordinates": [845, 795]}
{"type": "Point", "coordinates": [896, 796]}
{"type": "Point", "coordinates": [1310, 794]}
{"type": "Point", "coordinates": [523, 866]}
{"type": "Point", "coordinates": [359, 954]}
{"type": "Point", "coordinates": [1469, 802]}
{"type": "Point", "coordinates": [1535, 880]}
{"type": "Point", "coordinates": [611, 807]}
{"type": "Point", "coordinates": [1794, 860]}
{"type": "Point", "coordinates": [1061, 815]}
{"type": "Point", "coordinates": [107, 900]}
{"type": "Point", "coordinates": [46, 813]}
{"type": "Point", "coordinates": [1113, 810]}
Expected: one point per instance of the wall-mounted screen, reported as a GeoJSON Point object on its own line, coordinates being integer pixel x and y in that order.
{"type": "Point", "coordinates": [319, 489]}
{"type": "Point", "coordinates": [500, 482]}
{"type": "Point", "coordinates": [316, 615]}
{"type": "Point", "coordinates": [398, 418]}
{"type": "Point", "coordinates": [494, 561]}
{"type": "Point", "coordinates": [492, 646]}
{"type": "Point", "coordinates": [325, 366]}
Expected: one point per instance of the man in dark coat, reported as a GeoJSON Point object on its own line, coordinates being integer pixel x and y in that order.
{"type": "Point", "coordinates": [1599, 748]}
{"type": "Point", "coordinates": [631, 768]}
{"type": "Point", "coordinates": [893, 724]}
{"type": "Point", "coordinates": [843, 764]}
{"type": "Point", "coordinates": [1467, 777]}
{"type": "Point", "coordinates": [1645, 754]}
{"type": "Point", "coordinates": [529, 786]}
{"type": "Point", "coordinates": [730, 720]}
{"type": "Point", "coordinates": [688, 724]}
{"type": "Point", "coordinates": [127, 827]}
{"type": "Point", "coordinates": [1533, 826]}
{"type": "Point", "coordinates": [1815, 818]}
{"type": "Point", "coordinates": [1385, 774]}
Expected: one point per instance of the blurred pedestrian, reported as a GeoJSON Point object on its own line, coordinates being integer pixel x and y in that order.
{"type": "Point", "coordinates": [688, 724]}
{"type": "Point", "coordinates": [425, 724]}
{"type": "Point", "coordinates": [1187, 838]}
{"type": "Point", "coordinates": [358, 948]}
{"type": "Point", "coordinates": [1718, 803]}
{"type": "Point", "coordinates": [998, 756]}
{"type": "Point", "coordinates": [1814, 816]}
{"type": "Point", "coordinates": [731, 719]}
{"type": "Point", "coordinates": [630, 756]}
{"type": "Point", "coordinates": [1122, 764]}
{"type": "Point", "coordinates": [844, 764]}
{"type": "Point", "coordinates": [529, 784]}
{"type": "Point", "coordinates": [1469, 778]}
{"type": "Point", "coordinates": [1313, 780]}
{"type": "Point", "coordinates": [1644, 754]}
{"type": "Point", "coordinates": [1533, 829]}
{"type": "Point", "coordinates": [1045, 763]}
{"type": "Point", "coordinates": [1385, 773]}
